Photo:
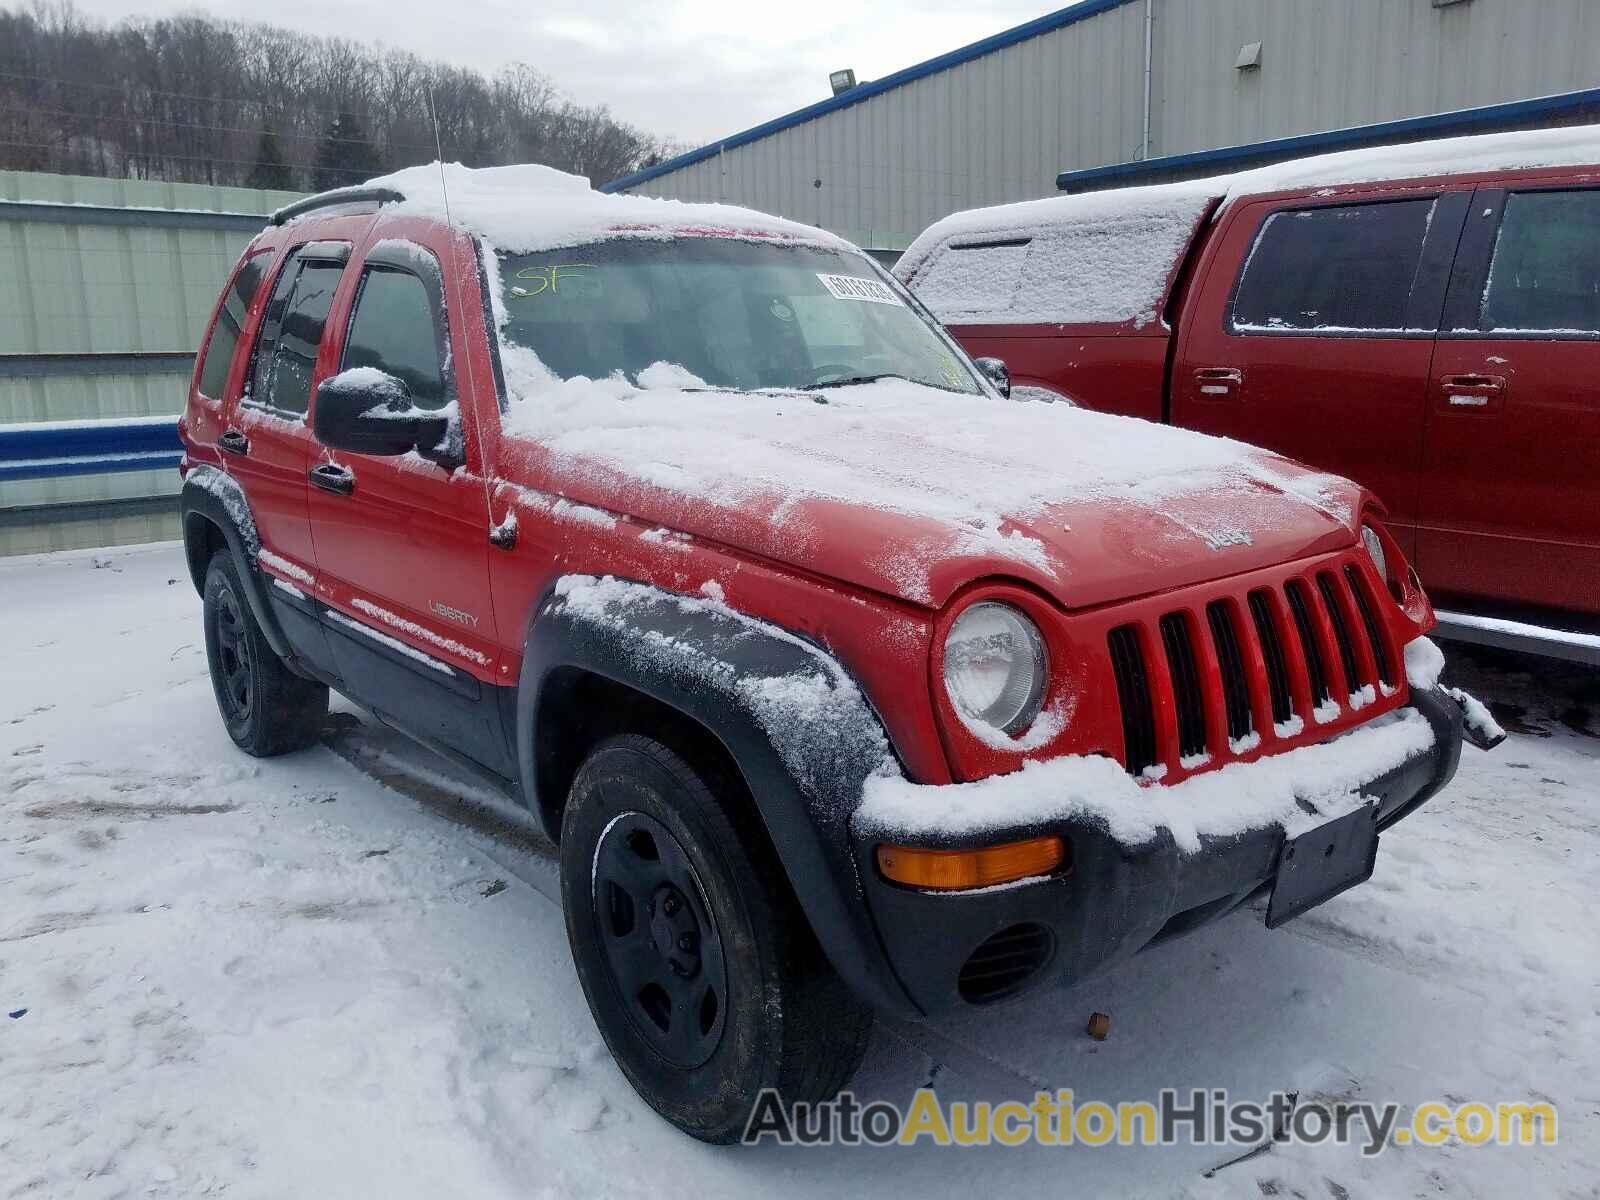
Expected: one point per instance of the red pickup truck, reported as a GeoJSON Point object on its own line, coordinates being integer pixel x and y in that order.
{"type": "Point", "coordinates": [1422, 318]}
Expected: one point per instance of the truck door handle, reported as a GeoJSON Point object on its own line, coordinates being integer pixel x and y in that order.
{"type": "Point", "coordinates": [1472, 391]}
{"type": "Point", "coordinates": [331, 477]}
{"type": "Point", "coordinates": [1219, 381]}
{"type": "Point", "coordinates": [234, 442]}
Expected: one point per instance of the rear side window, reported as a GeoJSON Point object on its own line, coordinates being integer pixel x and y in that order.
{"type": "Point", "coordinates": [1101, 258]}
{"type": "Point", "coordinates": [230, 324]}
{"type": "Point", "coordinates": [291, 333]}
{"type": "Point", "coordinates": [973, 280]}
{"type": "Point", "coordinates": [1545, 273]}
{"type": "Point", "coordinates": [394, 330]}
{"type": "Point", "coordinates": [1335, 269]}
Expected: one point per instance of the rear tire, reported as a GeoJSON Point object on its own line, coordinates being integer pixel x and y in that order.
{"type": "Point", "coordinates": [740, 998]}
{"type": "Point", "coordinates": [267, 709]}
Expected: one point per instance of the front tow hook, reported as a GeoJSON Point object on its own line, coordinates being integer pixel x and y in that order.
{"type": "Point", "coordinates": [1478, 725]}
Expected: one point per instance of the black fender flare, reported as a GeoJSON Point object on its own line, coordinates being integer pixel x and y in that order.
{"type": "Point", "coordinates": [211, 495]}
{"type": "Point", "coordinates": [753, 686]}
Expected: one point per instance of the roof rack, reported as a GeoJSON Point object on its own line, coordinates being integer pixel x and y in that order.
{"type": "Point", "coordinates": [360, 194]}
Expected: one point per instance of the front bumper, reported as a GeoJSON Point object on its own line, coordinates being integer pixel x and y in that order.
{"type": "Point", "coordinates": [954, 949]}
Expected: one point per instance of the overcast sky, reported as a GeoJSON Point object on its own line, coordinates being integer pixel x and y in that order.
{"type": "Point", "coordinates": [691, 69]}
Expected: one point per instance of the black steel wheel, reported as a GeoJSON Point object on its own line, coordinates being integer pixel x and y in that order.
{"type": "Point", "coordinates": [660, 943]}
{"type": "Point", "coordinates": [233, 652]}
{"type": "Point", "coordinates": [699, 967]}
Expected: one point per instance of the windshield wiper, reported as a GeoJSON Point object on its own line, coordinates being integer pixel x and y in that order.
{"type": "Point", "coordinates": [851, 380]}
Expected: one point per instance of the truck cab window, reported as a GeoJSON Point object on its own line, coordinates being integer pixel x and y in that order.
{"type": "Point", "coordinates": [1545, 274]}
{"type": "Point", "coordinates": [393, 329]}
{"type": "Point", "coordinates": [1339, 268]}
{"type": "Point", "coordinates": [291, 334]}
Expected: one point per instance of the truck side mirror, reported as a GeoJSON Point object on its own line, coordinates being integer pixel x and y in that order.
{"type": "Point", "coordinates": [997, 373]}
{"type": "Point", "coordinates": [369, 411]}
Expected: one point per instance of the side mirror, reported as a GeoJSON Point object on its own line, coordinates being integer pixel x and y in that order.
{"type": "Point", "coordinates": [369, 411]}
{"type": "Point", "coordinates": [997, 373]}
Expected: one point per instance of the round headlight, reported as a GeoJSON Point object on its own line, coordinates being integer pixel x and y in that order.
{"type": "Point", "coordinates": [1374, 545]}
{"type": "Point", "coordinates": [994, 668]}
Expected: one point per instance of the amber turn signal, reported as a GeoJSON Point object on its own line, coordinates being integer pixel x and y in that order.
{"type": "Point", "coordinates": [952, 870]}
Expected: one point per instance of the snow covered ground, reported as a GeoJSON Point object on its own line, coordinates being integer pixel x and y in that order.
{"type": "Point", "coordinates": [343, 973]}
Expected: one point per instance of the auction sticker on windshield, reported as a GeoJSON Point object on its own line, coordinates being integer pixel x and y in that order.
{"type": "Point", "coordinates": [852, 287]}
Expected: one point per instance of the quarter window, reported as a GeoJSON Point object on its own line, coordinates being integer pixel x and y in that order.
{"type": "Point", "coordinates": [393, 329]}
{"type": "Point", "coordinates": [291, 333]}
{"type": "Point", "coordinates": [1335, 269]}
{"type": "Point", "coordinates": [1545, 273]}
{"type": "Point", "coordinates": [230, 323]}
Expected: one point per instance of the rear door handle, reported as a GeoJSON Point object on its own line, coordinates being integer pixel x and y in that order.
{"type": "Point", "coordinates": [1218, 381]}
{"type": "Point", "coordinates": [234, 442]}
{"type": "Point", "coordinates": [331, 477]}
{"type": "Point", "coordinates": [1472, 391]}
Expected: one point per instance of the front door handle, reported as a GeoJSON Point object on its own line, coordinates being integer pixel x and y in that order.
{"type": "Point", "coordinates": [234, 442]}
{"type": "Point", "coordinates": [1472, 391]}
{"type": "Point", "coordinates": [331, 477]}
{"type": "Point", "coordinates": [1219, 381]}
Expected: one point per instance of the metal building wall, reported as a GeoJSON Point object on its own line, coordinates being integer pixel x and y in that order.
{"type": "Point", "coordinates": [107, 285]}
{"type": "Point", "coordinates": [999, 127]}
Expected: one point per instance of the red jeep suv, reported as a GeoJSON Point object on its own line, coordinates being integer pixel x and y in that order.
{"type": "Point", "coordinates": [843, 682]}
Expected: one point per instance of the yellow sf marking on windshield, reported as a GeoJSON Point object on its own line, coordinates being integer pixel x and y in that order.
{"type": "Point", "coordinates": [548, 278]}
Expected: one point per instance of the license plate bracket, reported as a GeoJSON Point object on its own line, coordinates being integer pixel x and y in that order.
{"type": "Point", "coordinates": [1319, 864]}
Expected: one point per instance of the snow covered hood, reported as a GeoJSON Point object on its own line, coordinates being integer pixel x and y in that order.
{"type": "Point", "coordinates": [913, 491]}
{"type": "Point", "coordinates": [526, 208]}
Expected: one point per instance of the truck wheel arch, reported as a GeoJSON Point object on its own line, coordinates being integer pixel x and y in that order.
{"type": "Point", "coordinates": [708, 670]}
{"type": "Point", "coordinates": [215, 518]}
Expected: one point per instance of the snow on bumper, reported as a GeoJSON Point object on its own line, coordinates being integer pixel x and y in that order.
{"type": "Point", "coordinates": [1147, 862]}
{"type": "Point", "coordinates": [1271, 792]}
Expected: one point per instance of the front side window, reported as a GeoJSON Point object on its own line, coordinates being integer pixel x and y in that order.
{"type": "Point", "coordinates": [730, 313]}
{"type": "Point", "coordinates": [1336, 269]}
{"type": "Point", "coordinates": [393, 329]}
{"type": "Point", "coordinates": [1545, 273]}
{"type": "Point", "coordinates": [230, 323]}
{"type": "Point", "coordinates": [291, 334]}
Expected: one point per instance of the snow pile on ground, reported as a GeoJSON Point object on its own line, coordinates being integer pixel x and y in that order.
{"type": "Point", "coordinates": [526, 208]}
{"type": "Point", "coordinates": [344, 973]}
{"type": "Point", "coordinates": [997, 477]}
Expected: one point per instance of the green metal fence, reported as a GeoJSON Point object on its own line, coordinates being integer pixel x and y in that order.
{"type": "Point", "coordinates": [105, 287]}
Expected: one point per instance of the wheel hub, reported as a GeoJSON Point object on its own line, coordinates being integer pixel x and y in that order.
{"type": "Point", "coordinates": [658, 940]}
{"type": "Point", "coordinates": [674, 931]}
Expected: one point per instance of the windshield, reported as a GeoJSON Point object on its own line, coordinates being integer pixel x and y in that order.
{"type": "Point", "coordinates": [733, 314]}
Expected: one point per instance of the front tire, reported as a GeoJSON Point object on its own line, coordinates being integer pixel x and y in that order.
{"type": "Point", "coordinates": [699, 967]}
{"type": "Point", "coordinates": [267, 709]}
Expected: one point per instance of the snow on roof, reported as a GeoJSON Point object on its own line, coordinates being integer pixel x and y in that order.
{"type": "Point", "coordinates": [528, 207]}
{"type": "Point", "coordinates": [1119, 282]}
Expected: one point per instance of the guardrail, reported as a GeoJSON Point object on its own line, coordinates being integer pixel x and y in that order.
{"type": "Point", "coordinates": [54, 449]}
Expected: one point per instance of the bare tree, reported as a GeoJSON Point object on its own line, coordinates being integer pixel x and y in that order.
{"type": "Point", "coordinates": [190, 98]}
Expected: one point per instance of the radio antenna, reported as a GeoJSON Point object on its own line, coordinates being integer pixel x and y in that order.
{"type": "Point", "coordinates": [455, 269]}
